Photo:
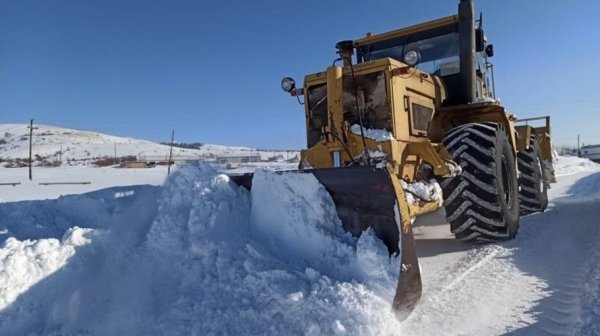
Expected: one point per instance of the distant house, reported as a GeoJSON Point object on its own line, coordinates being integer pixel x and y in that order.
{"type": "Point", "coordinates": [135, 164]}
{"type": "Point", "coordinates": [238, 158]}
{"type": "Point", "coordinates": [591, 152]}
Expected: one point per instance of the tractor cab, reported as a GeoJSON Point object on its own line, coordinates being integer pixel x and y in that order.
{"type": "Point", "coordinates": [451, 48]}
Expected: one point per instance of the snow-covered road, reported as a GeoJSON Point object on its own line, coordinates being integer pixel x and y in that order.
{"type": "Point", "coordinates": [543, 282]}
{"type": "Point", "coordinates": [200, 257]}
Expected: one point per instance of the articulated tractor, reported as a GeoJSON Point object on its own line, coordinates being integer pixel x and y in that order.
{"type": "Point", "coordinates": [406, 122]}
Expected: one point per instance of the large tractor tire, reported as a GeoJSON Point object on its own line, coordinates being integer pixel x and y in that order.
{"type": "Point", "coordinates": [533, 193]}
{"type": "Point", "coordinates": [482, 202]}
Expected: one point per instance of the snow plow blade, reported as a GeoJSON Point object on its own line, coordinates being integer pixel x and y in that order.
{"type": "Point", "coordinates": [366, 197]}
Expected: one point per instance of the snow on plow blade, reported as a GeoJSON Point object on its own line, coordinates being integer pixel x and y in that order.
{"type": "Point", "coordinates": [365, 197]}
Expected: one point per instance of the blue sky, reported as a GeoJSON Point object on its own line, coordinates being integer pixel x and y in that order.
{"type": "Point", "coordinates": [212, 70]}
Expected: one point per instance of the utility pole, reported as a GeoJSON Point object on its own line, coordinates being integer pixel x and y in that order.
{"type": "Point", "coordinates": [116, 152]}
{"type": "Point", "coordinates": [171, 152]}
{"type": "Point", "coordinates": [578, 148]}
{"type": "Point", "coordinates": [31, 128]}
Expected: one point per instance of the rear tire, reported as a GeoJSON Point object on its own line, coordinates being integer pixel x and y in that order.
{"type": "Point", "coordinates": [482, 203]}
{"type": "Point", "coordinates": [533, 193]}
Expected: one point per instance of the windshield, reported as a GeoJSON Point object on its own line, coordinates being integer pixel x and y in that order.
{"type": "Point", "coordinates": [438, 55]}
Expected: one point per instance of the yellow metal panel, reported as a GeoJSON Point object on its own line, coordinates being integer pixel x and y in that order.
{"type": "Point", "coordinates": [317, 156]}
{"type": "Point", "coordinates": [417, 86]}
{"type": "Point", "coordinates": [524, 133]}
{"type": "Point", "coordinates": [437, 156]}
{"type": "Point", "coordinates": [334, 102]}
{"type": "Point", "coordinates": [542, 134]}
{"type": "Point", "coordinates": [403, 206]}
{"type": "Point", "coordinates": [362, 68]}
{"type": "Point", "coordinates": [447, 118]}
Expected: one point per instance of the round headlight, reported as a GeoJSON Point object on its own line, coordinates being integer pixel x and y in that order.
{"type": "Point", "coordinates": [412, 57]}
{"type": "Point", "coordinates": [288, 84]}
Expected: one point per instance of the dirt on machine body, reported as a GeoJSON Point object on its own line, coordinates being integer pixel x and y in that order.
{"type": "Point", "coordinates": [406, 122]}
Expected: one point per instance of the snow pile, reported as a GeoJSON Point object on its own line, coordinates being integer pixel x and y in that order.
{"type": "Point", "coordinates": [294, 216]}
{"type": "Point", "coordinates": [377, 154]}
{"type": "Point", "coordinates": [582, 176]}
{"type": "Point", "coordinates": [422, 190]}
{"type": "Point", "coordinates": [375, 134]}
{"type": "Point", "coordinates": [568, 165]}
{"type": "Point", "coordinates": [588, 189]}
{"type": "Point", "coordinates": [289, 270]}
{"type": "Point", "coordinates": [301, 213]}
{"type": "Point", "coordinates": [204, 257]}
{"type": "Point", "coordinates": [24, 263]}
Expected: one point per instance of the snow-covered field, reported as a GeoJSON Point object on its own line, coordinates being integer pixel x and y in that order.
{"type": "Point", "coordinates": [76, 147]}
{"type": "Point", "coordinates": [137, 253]}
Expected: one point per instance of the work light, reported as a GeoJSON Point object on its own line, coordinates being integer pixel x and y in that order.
{"type": "Point", "coordinates": [288, 84]}
{"type": "Point", "coordinates": [411, 57]}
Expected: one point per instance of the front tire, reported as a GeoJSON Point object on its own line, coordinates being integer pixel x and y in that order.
{"type": "Point", "coordinates": [482, 203]}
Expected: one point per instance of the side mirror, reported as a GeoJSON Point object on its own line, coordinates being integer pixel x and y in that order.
{"type": "Point", "coordinates": [479, 40]}
{"type": "Point", "coordinates": [489, 50]}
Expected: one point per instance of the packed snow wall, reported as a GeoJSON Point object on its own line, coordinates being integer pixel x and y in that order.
{"type": "Point", "coordinates": [198, 256]}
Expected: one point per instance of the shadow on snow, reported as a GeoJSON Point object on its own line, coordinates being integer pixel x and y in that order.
{"type": "Point", "coordinates": [557, 247]}
{"type": "Point", "coordinates": [74, 292]}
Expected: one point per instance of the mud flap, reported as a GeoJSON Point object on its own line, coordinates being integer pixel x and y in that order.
{"type": "Point", "coordinates": [368, 197]}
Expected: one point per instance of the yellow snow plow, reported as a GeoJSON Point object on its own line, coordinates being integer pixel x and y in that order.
{"type": "Point", "coordinates": [405, 122]}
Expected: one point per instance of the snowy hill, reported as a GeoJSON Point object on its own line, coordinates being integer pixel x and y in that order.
{"type": "Point", "coordinates": [53, 143]}
{"type": "Point", "coordinates": [200, 256]}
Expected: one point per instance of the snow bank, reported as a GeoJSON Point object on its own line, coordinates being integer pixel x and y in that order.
{"type": "Point", "coordinates": [587, 190]}
{"type": "Point", "coordinates": [296, 272]}
{"type": "Point", "coordinates": [214, 259]}
{"type": "Point", "coordinates": [294, 215]}
{"type": "Point", "coordinates": [24, 263]}
{"type": "Point", "coordinates": [568, 165]}
{"type": "Point", "coordinates": [197, 203]}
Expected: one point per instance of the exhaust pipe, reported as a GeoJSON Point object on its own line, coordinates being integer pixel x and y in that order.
{"type": "Point", "coordinates": [466, 31]}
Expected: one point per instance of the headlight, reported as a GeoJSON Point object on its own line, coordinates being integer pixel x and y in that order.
{"type": "Point", "coordinates": [288, 84]}
{"type": "Point", "coordinates": [412, 57]}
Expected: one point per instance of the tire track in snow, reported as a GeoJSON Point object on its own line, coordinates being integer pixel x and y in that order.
{"type": "Point", "coordinates": [562, 263]}
{"type": "Point", "coordinates": [560, 249]}
{"type": "Point", "coordinates": [485, 260]}
{"type": "Point", "coordinates": [529, 286]}
{"type": "Point", "coordinates": [478, 294]}
{"type": "Point", "coordinates": [588, 323]}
